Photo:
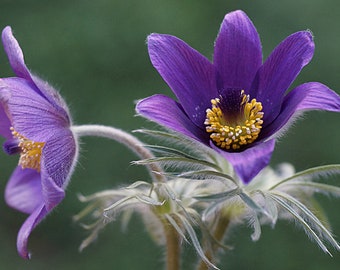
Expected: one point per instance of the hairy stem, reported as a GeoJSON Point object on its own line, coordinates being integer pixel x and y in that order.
{"type": "Point", "coordinates": [173, 250]}
{"type": "Point", "coordinates": [124, 138]}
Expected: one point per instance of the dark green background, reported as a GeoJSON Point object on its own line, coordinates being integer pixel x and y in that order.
{"type": "Point", "coordinates": [95, 53]}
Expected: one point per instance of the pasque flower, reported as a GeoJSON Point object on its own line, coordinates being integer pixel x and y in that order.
{"type": "Point", "coordinates": [36, 124]}
{"type": "Point", "coordinates": [237, 105]}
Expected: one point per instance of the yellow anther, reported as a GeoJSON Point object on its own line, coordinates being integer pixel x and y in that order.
{"type": "Point", "coordinates": [232, 134]}
{"type": "Point", "coordinates": [30, 155]}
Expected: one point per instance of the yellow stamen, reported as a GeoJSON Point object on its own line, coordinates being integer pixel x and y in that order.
{"type": "Point", "coordinates": [232, 134]}
{"type": "Point", "coordinates": [30, 155]}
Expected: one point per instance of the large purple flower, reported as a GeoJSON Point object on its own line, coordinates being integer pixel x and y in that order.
{"type": "Point", "coordinates": [36, 124]}
{"type": "Point", "coordinates": [237, 105]}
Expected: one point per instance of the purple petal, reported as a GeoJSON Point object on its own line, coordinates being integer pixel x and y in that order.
{"type": "Point", "coordinates": [16, 59]}
{"type": "Point", "coordinates": [57, 164]}
{"type": "Point", "coordinates": [53, 194]}
{"type": "Point", "coordinates": [167, 112]}
{"type": "Point", "coordinates": [23, 190]}
{"type": "Point", "coordinates": [308, 96]}
{"type": "Point", "coordinates": [5, 124]}
{"type": "Point", "coordinates": [280, 70]}
{"type": "Point", "coordinates": [11, 147]}
{"type": "Point", "coordinates": [238, 53]}
{"type": "Point", "coordinates": [189, 74]}
{"type": "Point", "coordinates": [58, 158]}
{"type": "Point", "coordinates": [31, 222]}
{"type": "Point", "coordinates": [14, 54]}
{"type": "Point", "coordinates": [52, 96]}
{"type": "Point", "coordinates": [251, 161]}
{"type": "Point", "coordinates": [31, 114]}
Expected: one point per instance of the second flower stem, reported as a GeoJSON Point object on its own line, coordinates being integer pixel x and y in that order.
{"type": "Point", "coordinates": [173, 250]}
{"type": "Point", "coordinates": [219, 232]}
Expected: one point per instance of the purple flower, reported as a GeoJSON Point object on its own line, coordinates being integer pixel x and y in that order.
{"type": "Point", "coordinates": [36, 124]}
{"type": "Point", "coordinates": [237, 105]}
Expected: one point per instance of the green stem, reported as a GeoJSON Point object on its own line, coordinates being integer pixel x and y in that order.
{"type": "Point", "coordinates": [173, 250]}
{"type": "Point", "coordinates": [124, 138]}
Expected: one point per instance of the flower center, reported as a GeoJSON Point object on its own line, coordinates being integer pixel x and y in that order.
{"type": "Point", "coordinates": [231, 131]}
{"type": "Point", "coordinates": [30, 155]}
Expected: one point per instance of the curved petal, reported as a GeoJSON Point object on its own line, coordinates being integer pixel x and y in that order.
{"type": "Point", "coordinates": [53, 194]}
{"type": "Point", "coordinates": [279, 71]}
{"type": "Point", "coordinates": [31, 114]}
{"type": "Point", "coordinates": [189, 74]}
{"type": "Point", "coordinates": [11, 147]}
{"type": "Point", "coordinates": [14, 54]}
{"type": "Point", "coordinates": [17, 62]}
{"type": "Point", "coordinates": [23, 190]}
{"type": "Point", "coordinates": [238, 53]}
{"type": "Point", "coordinates": [167, 112]}
{"type": "Point", "coordinates": [58, 158]}
{"type": "Point", "coordinates": [53, 97]}
{"type": "Point", "coordinates": [31, 222]}
{"type": "Point", "coordinates": [308, 96]}
{"type": "Point", "coordinates": [251, 161]}
{"type": "Point", "coordinates": [5, 124]}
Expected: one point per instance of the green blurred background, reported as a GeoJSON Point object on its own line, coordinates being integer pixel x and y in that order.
{"type": "Point", "coordinates": [95, 53]}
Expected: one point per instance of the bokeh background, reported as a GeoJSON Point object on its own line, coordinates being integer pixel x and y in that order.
{"type": "Point", "coordinates": [95, 53]}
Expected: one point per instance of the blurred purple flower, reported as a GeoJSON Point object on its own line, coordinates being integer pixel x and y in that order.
{"type": "Point", "coordinates": [237, 105]}
{"type": "Point", "coordinates": [36, 124]}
